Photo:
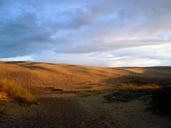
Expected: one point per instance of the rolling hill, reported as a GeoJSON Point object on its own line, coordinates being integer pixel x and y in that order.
{"type": "Point", "coordinates": [40, 78]}
{"type": "Point", "coordinates": [68, 96]}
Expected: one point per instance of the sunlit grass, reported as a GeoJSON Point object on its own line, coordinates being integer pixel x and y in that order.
{"type": "Point", "coordinates": [135, 86]}
{"type": "Point", "coordinates": [17, 92]}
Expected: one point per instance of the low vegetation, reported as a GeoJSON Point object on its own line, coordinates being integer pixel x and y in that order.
{"type": "Point", "coordinates": [17, 92]}
{"type": "Point", "coordinates": [161, 101]}
{"type": "Point", "coordinates": [135, 86]}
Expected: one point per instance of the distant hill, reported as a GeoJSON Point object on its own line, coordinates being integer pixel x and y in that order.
{"type": "Point", "coordinates": [58, 77]}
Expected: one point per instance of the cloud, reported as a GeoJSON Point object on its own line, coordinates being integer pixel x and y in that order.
{"type": "Point", "coordinates": [19, 58]}
{"type": "Point", "coordinates": [151, 55]}
{"type": "Point", "coordinates": [89, 30]}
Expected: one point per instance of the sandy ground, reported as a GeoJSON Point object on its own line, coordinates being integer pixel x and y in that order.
{"type": "Point", "coordinates": [86, 111]}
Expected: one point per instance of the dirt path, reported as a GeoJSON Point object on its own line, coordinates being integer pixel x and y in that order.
{"type": "Point", "coordinates": [82, 112]}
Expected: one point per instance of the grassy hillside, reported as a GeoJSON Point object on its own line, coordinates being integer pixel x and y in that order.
{"type": "Point", "coordinates": [127, 96]}
{"type": "Point", "coordinates": [44, 77]}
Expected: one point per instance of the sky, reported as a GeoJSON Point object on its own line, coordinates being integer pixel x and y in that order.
{"type": "Point", "coordinates": [111, 33]}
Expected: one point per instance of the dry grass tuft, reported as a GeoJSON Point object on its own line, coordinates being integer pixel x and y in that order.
{"type": "Point", "coordinates": [17, 92]}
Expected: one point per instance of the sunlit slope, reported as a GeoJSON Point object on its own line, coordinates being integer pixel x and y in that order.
{"type": "Point", "coordinates": [58, 75]}
{"type": "Point", "coordinates": [73, 77]}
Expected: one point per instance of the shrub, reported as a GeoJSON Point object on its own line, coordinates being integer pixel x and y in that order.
{"type": "Point", "coordinates": [161, 101]}
{"type": "Point", "coordinates": [17, 92]}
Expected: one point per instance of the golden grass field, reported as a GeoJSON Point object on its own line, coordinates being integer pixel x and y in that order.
{"type": "Point", "coordinates": [57, 75]}
{"type": "Point", "coordinates": [78, 96]}
{"type": "Point", "coordinates": [39, 77]}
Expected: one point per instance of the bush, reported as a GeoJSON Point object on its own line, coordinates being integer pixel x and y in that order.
{"type": "Point", "coordinates": [17, 92]}
{"type": "Point", "coordinates": [161, 101]}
